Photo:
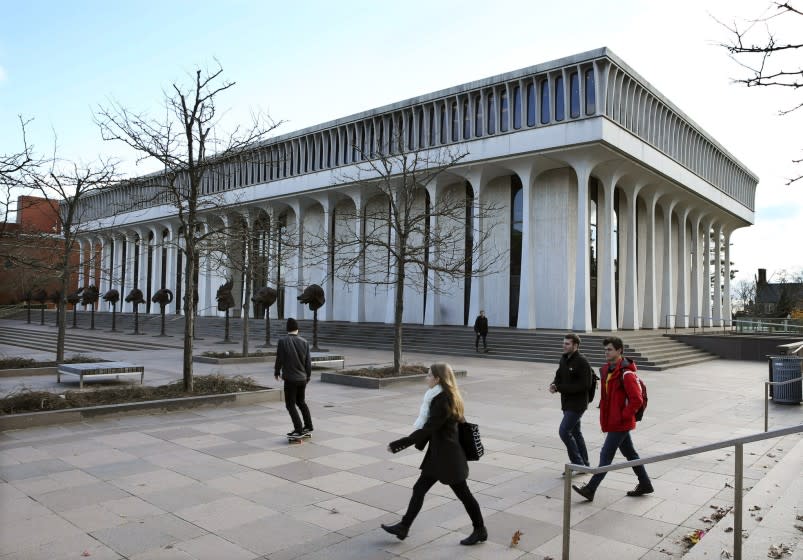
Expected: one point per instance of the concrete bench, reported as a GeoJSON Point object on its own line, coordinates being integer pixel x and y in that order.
{"type": "Point", "coordinates": [319, 358]}
{"type": "Point", "coordinates": [100, 369]}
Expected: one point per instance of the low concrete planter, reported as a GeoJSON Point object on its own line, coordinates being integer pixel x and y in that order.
{"type": "Point", "coordinates": [373, 382]}
{"type": "Point", "coordinates": [235, 360]}
{"type": "Point", "coordinates": [52, 417]}
{"type": "Point", "coordinates": [25, 372]}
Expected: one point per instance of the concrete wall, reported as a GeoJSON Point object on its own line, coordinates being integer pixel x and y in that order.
{"type": "Point", "coordinates": [735, 347]}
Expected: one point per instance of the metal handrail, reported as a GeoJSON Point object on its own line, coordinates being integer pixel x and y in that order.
{"type": "Point", "coordinates": [767, 385]}
{"type": "Point", "coordinates": [784, 324]}
{"type": "Point", "coordinates": [698, 324]}
{"type": "Point", "coordinates": [737, 443]}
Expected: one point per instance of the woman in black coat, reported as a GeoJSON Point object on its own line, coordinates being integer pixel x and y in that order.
{"type": "Point", "coordinates": [445, 460]}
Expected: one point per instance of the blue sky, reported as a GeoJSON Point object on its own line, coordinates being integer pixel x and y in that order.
{"type": "Point", "coordinates": [309, 62]}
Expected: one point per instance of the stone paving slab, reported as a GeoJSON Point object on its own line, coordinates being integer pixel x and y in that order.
{"type": "Point", "coordinates": [223, 483]}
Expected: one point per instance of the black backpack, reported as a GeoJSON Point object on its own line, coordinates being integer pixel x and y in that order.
{"type": "Point", "coordinates": [592, 390]}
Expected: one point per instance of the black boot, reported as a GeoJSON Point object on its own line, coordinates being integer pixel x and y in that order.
{"type": "Point", "coordinates": [479, 534]}
{"type": "Point", "coordinates": [399, 529]}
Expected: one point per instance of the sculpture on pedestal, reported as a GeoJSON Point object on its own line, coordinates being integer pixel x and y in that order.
{"type": "Point", "coordinates": [163, 297]}
{"type": "Point", "coordinates": [135, 297]}
{"type": "Point", "coordinates": [313, 295]}
{"type": "Point", "coordinates": [75, 298]}
{"type": "Point", "coordinates": [225, 301]}
{"type": "Point", "coordinates": [90, 297]}
{"type": "Point", "coordinates": [266, 297]}
{"type": "Point", "coordinates": [112, 296]}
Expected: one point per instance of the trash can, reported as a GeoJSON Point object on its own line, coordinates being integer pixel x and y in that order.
{"type": "Point", "coordinates": [785, 368]}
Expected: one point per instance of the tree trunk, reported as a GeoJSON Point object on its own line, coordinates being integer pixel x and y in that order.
{"type": "Point", "coordinates": [398, 314]}
{"type": "Point", "coordinates": [246, 307]}
{"type": "Point", "coordinates": [189, 315]}
{"type": "Point", "coordinates": [61, 312]}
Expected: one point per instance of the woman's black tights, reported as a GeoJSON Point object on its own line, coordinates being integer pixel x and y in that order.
{"type": "Point", "coordinates": [422, 486]}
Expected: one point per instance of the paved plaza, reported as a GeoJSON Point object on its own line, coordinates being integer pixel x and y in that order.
{"type": "Point", "coordinates": [222, 482]}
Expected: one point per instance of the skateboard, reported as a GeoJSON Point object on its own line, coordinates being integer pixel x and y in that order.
{"type": "Point", "coordinates": [298, 439]}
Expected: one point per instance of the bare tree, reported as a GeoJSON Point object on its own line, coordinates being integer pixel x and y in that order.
{"type": "Point", "coordinates": [187, 143]}
{"type": "Point", "coordinates": [11, 167]}
{"type": "Point", "coordinates": [414, 235]}
{"type": "Point", "coordinates": [53, 254]}
{"type": "Point", "coordinates": [768, 59]}
{"type": "Point", "coordinates": [253, 249]}
{"type": "Point", "coordinates": [745, 294]}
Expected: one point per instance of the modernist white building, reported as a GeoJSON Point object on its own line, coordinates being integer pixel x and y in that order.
{"type": "Point", "coordinates": [614, 198]}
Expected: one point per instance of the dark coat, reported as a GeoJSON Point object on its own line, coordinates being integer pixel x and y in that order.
{"type": "Point", "coordinates": [445, 458]}
{"type": "Point", "coordinates": [481, 325]}
{"type": "Point", "coordinates": [573, 380]}
{"type": "Point", "coordinates": [293, 359]}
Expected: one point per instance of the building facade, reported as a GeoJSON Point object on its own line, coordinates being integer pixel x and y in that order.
{"type": "Point", "coordinates": [617, 208]}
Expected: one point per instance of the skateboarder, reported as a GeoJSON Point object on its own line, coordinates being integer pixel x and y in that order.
{"type": "Point", "coordinates": [294, 366]}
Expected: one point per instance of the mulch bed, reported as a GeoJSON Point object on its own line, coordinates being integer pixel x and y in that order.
{"type": "Point", "coordinates": [386, 371]}
{"type": "Point", "coordinates": [26, 400]}
{"type": "Point", "coordinates": [13, 362]}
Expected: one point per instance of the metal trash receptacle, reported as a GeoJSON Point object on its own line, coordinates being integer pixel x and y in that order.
{"type": "Point", "coordinates": [786, 368]}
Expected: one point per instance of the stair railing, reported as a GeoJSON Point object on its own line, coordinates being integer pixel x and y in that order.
{"type": "Point", "coordinates": [767, 385]}
{"type": "Point", "coordinates": [737, 443]}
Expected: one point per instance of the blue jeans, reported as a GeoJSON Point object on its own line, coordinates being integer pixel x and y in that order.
{"type": "Point", "coordinates": [622, 442]}
{"type": "Point", "coordinates": [572, 437]}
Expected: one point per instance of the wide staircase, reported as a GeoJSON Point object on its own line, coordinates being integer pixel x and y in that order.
{"type": "Point", "coordinates": [650, 350]}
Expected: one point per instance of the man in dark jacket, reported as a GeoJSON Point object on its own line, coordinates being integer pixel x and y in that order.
{"type": "Point", "coordinates": [572, 381]}
{"type": "Point", "coordinates": [293, 364]}
{"type": "Point", "coordinates": [481, 330]}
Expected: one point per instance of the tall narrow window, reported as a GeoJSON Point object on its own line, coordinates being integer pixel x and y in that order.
{"type": "Point", "coordinates": [574, 95]}
{"type": "Point", "coordinates": [372, 139]}
{"type": "Point", "coordinates": [591, 93]}
{"type": "Point", "coordinates": [391, 138]}
{"type": "Point", "coordinates": [292, 153]}
{"type": "Point", "coordinates": [478, 116]}
{"type": "Point", "coordinates": [421, 128]}
{"type": "Point", "coordinates": [431, 125]}
{"type": "Point", "coordinates": [443, 123]}
{"type": "Point", "coordinates": [530, 104]}
{"type": "Point", "coordinates": [337, 147]}
{"type": "Point", "coordinates": [455, 122]}
{"type": "Point", "coordinates": [466, 120]}
{"type": "Point", "coordinates": [491, 114]}
{"type": "Point", "coordinates": [516, 229]}
{"type": "Point", "coordinates": [329, 152]}
{"type": "Point", "coordinates": [517, 107]}
{"type": "Point", "coordinates": [410, 132]}
{"type": "Point", "coordinates": [503, 113]}
{"type": "Point", "coordinates": [560, 112]}
{"type": "Point", "coordinates": [362, 142]}
{"type": "Point", "coordinates": [545, 113]}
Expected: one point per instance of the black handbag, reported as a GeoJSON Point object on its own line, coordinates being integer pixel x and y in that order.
{"type": "Point", "coordinates": [469, 436]}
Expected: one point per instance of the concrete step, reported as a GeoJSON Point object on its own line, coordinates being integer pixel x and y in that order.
{"type": "Point", "coordinates": [769, 516]}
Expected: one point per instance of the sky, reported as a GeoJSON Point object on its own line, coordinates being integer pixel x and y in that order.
{"type": "Point", "coordinates": [309, 62]}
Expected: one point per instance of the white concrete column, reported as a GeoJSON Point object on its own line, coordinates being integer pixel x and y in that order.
{"type": "Point", "coordinates": [527, 310]}
{"type": "Point", "coordinates": [116, 270]}
{"type": "Point", "coordinates": [206, 274]}
{"type": "Point", "coordinates": [706, 307]}
{"type": "Point", "coordinates": [682, 310]}
{"type": "Point", "coordinates": [606, 294]}
{"type": "Point", "coordinates": [358, 288]}
{"type": "Point", "coordinates": [156, 267]}
{"type": "Point", "coordinates": [171, 263]}
{"type": "Point", "coordinates": [667, 287]}
{"type": "Point", "coordinates": [431, 313]}
{"type": "Point", "coordinates": [582, 266]}
{"type": "Point", "coordinates": [328, 206]}
{"type": "Point", "coordinates": [477, 302]}
{"type": "Point", "coordinates": [694, 291]}
{"type": "Point", "coordinates": [92, 275]}
{"type": "Point", "coordinates": [104, 282]}
{"type": "Point", "coordinates": [81, 262]}
{"type": "Point", "coordinates": [299, 307]}
{"type": "Point", "coordinates": [650, 318]}
{"type": "Point", "coordinates": [726, 295]}
{"type": "Point", "coordinates": [630, 317]}
{"type": "Point", "coordinates": [717, 310]}
{"type": "Point", "coordinates": [130, 244]}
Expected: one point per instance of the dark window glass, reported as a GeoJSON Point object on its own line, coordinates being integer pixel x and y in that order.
{"type": "Point", "coordinates": [432, 126]}
{"type": "Point", "coordinates": [329, 153]}
{"type": "Point", "coordinates": [477, 116]}
{"type": "Point", "coordinates": [372, 139]}
{"type": "Point", "coordinates": [491, 114]}
{"type": "Point", "coordinates": [421, 128]}
{"type": "Point", "coordinates": [455, 122]}
{"type": "Point", "coordinates": [466, 120]}
{"type": "Point", "coordinates": [337, 147]}
{"type": "Point", "coordinates": [362, 142]}
{"type": "Point", "coordinates": [574, 95]}
{"type": "Point", "coordinates": [410, 132]}
{"type": "Point", "coordinates": [560, 112]}
{"type": "Point", "coordinates": [517, 107]}
{"type": "Point", "coordinates": [298, 158]}
{"type": "Point", "coordinates": [309, 160]}
{"type": "Point", "coordinates": [545, 102]}
{"type": "Point", "coordinates": [503, 117]}
{"type": "Point", "coordinates": [292, 153]}
{"type": "Point", "coordinates": [443, 123]}
{"type": "Point", "coordinates": [531, 104]}
{"type": "Point", "coordinates": [391, 140]}
{"type": "Point", "coordinates": [591, 93]}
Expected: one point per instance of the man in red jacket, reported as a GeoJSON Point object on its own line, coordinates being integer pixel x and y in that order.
{"type": "Point", "coordinates": [619, 401]}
